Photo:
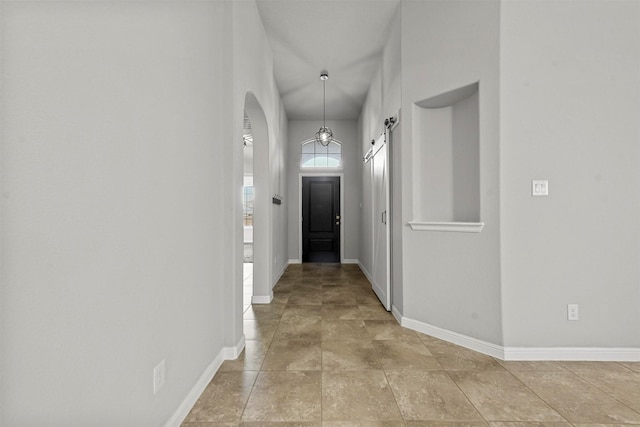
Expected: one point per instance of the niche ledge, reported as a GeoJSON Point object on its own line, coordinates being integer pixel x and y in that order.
{"type": "Point", "coordinates": [451, 227]}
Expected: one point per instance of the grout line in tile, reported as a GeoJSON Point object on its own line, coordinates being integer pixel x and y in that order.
{"type": "Point", "coordinates": [446, 372]}
{"type": "Point", "coordinates": [253, 386]}
{"type": "Point", "coordinates": [395, 398]}
{"type": "Point", "coordinates": [318, 277]}
{"type": "Point", "coordinates": [538, 396]}
{"type": "Point", "coordinates": [605, 391]}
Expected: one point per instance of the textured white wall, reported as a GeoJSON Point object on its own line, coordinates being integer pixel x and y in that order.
{"type": "Point", "coordinates": [111, 178]}
{"type": "Point", "coordinates": [570, 107]}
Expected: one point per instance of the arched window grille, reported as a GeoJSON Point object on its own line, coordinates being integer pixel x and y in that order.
{"type": "Point", "coordinates": [315, 155]}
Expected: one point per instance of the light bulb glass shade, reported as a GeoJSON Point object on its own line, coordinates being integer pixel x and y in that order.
{"type": "Point", "coordinates": [324, 136]}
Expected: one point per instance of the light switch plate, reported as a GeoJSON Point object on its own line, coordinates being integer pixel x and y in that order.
{"type": "Point", "coordinates": [539, 187]}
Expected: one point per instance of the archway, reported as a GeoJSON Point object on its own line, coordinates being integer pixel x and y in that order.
{"type": "Point", "coordinates": [261, 215]}
{"type": "Point", "coordinates": [248, 205]}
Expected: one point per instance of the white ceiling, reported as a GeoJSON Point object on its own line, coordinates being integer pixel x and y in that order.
{"type": "Point", "coordinates": [344, 37]}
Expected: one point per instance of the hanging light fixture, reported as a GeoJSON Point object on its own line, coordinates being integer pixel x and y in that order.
{"type": "Point", "coordinates": [324, 136]}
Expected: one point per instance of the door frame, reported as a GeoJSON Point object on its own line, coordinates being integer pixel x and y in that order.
{"type": "Point", "coordinates": [340, 175]}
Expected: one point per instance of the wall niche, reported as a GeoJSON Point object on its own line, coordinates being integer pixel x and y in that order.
{"type": "Point", "coordinates": [446, 162]}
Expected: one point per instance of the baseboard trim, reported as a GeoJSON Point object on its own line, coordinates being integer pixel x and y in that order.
{"type": "Point", "coordinates": [282, 270]}
{"type": "Point", "coordinates": [227, 353]}
{"type": "Point", "coordinates": [454, 337]}
{"type": "Point", "coordinates": [262, 299]}
{"type": "Point", "coordinates": [344, 261]}
{"type": "Point", "coordinates": [374, 285]}
{"type": "Point", "coordinates": [183, 410]}
{"type": "Point", "coordinates": [366, 273]}
{"type": "Point", "coordinates": [232, 353]}
{"type": "Point", "coordinates": [396, 313]}
{"type": "Point", "coordinates": [595, 354]}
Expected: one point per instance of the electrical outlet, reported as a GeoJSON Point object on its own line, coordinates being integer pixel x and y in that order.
{"type": "Point", "coordinates": [159, 374]}
{"type": "Point", "coordinates": [572, 312]}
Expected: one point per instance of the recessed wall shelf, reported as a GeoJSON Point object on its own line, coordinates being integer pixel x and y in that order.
{"type": "Point", "coordinates": [446, 161]}
{"type": "Point", "coordinates": [456, 227]}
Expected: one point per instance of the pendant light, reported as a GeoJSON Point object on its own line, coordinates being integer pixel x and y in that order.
{"type": "Point", "coordinates": [324, 136]}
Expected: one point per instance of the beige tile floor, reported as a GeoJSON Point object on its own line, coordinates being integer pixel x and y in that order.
{"type": "Point", "coordinates": [325, 353]}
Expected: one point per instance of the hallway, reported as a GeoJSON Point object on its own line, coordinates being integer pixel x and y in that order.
{"type": "Point", "coordinates": [326, 353]}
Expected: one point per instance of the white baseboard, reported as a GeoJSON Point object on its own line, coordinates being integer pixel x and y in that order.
{"type": "Point", "coordinates": [597, 354]}
{"type": "Point", "coordinates": [282, 270]}
{"type": "Point", "coordinates": [227, 353]}
{"type": "Point", "coordinates": [454, 337]}
{"type": "Point", "coordinates": [183, 410]}
{"type": "Point", "coordinates": [366, 273]}
{"type": "Point", "coordinates": [344, 261]}
{"type": "Point", "coordinates": [374, 285]}
{"type": "Point", "coordinates": [232, 353]}
{"type": "Point", "coordinates": [262, 299]}
{"type": "Point", "coordinates": [396, 313]}
{"type": "Point", "coordinates": [594, 354]}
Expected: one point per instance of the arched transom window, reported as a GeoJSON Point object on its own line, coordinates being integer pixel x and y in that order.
{"type": "Point", "coordinates": [316, 155]}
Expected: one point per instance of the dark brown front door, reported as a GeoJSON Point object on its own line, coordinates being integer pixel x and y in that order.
{"type": "Point", "coordinates": [321, 219]}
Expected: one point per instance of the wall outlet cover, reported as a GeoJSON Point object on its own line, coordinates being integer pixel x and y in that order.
{"type": "Point", "coordinates": [159, 374]}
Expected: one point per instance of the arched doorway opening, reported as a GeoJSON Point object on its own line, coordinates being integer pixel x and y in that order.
{"type": "Point", "coordinates": [248, 207]}
{"type": "Point", "coordinates": [259, 272]}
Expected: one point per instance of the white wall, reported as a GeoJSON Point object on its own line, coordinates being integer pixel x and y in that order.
{"type": "Point", "coordinates": [111, 183]}
{"type": "Point", "coordinates": [345, 131]}
{"type": "Point", "coordinates": [121, 215]}
{"type": "Point", "coordinates": [570, 108]}
{"type": "Point", "coordinates": [452, 280]}
{"type": "Point", "coordinates": [559, 99]}
{"type": "Point", "coordinates": [382, 102]}
{"type": "Point", "coordinates": [281, 237]}
{"type": "Point", "coordinates": [249, 65]}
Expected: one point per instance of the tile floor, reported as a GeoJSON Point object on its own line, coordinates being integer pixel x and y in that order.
{"type": "Point", "coordinates": [325, 353]}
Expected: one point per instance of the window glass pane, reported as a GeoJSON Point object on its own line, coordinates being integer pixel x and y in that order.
{"type": "Point", "coordinates": [315, 155]}
{"type": "Point", "coordinates": [247, 205]}
{"type": "Point", "coordinates": [334, 148]}
{"type": "Point", "coordinates": [307, 161]}
{"type": "Point", "coordinates": [333, 163]}
{"type": "Point", "coordinates": [308, 147]}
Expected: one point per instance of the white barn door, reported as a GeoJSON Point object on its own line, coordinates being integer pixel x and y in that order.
{"type": "Point", "coordinates": [381, 222]}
